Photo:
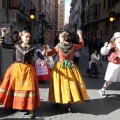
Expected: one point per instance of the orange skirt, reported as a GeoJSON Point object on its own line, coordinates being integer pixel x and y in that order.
{"type": "Point", "coordinates": [19, 88]}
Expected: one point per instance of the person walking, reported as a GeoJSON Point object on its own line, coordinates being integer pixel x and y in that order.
{"type": "Point", "coordinates": [43, 70]}
{"type": "Point", "coordinates": [66, 83]}
{"type": "Point", "coordinates": [92, 69]}
{"type": "Point", "coordinates": [111, 49]}
{"type": "Point", "coordinates": [50, 60]}
{"type": "Point", "coordinates": [19, 88]}
{"type": "Point", "coordinates": [76, 56]}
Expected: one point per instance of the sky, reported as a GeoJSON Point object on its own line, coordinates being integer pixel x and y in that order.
{"type": "Point", "coordinates": [67, 10]}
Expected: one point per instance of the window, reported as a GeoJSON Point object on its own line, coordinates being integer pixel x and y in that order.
{"type": "Point", "coordinates": [117, 1]}
{"type": "Point", "coordinates": [104, 4]}
{"type": "Point", "coordinates": [60, 28]}
{"type": "Point", "coordinates": [61, 15]}
{"type": "Point", "coordinates": [3, 4]}
{"type": "Point", "coordinates": [60, 24]}
{"type": "Point", "coordinates": [61, 1]}
{"type": "Point", "coordinates": [61, 6]}
{"type": "Point", "coordinates": [111, 4]}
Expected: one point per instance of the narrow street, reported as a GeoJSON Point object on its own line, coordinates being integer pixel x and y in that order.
{"type": "Point", "coordinates": [98, 108]}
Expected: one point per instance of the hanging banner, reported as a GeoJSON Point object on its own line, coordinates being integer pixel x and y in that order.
{"type": "Point", "coordinates": [12, 16]}
{"type": "Point", "coordinates": [49, 36]}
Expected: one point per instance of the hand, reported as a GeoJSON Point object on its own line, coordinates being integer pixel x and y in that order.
{"type": "Point", "coordinates": [79, 33]}
{"type": "Point", "coordinates": [3, 30]}
{"type": "Point", "coordinates": [46, 47]}
{"type": "Point", "coordinates": [42, 63]}
{"type": "Point", "coordinates": [48, 60]}
{"type": "Point", "coordinates": [106, 44]}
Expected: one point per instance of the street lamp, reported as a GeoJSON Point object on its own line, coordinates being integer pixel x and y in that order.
{"type": "Point", "coordinates": [42, 17]}
{"type": "Point", "coordinates": [111, 19]}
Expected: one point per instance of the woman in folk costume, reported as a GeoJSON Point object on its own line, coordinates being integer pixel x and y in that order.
{"type": "Point", "coordinates": [19, 88]}
{"type": "Point", "coordinates": [92, 69]}
{"type": "Point", "coordinates": [43, 71]}
{"type": "Point", "coordinates": [66, 83]}
{"type": "Point", "coordinates": [113, 69]}
{"type": "Point", "coordinates": [50, 58]}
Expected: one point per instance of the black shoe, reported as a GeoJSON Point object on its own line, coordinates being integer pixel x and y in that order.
{"type": "Point", "coordinates": [88, 100]}
{"type": "Point", "coordinates": [31, 114]}
{"type": "Point", "coordinates": [46, 82]}
{"type": "Point", "coordinates": [57, 104]}
{"type": "Point", "coordinates": [69, 110]}
{"type": "Point", "coordinates": [89, 75]}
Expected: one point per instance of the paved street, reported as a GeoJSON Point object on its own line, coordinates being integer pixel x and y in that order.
{"type": "Point", "coordinates": [97, 109]}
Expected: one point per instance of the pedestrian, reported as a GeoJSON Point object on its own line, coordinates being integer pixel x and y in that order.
{"type": "Point", "coordinates": [50, 60]}
{"type": "Point", "coordinates": [113, 69]}
{"type": "Point", "coordinates": [43, 71]}
{"type": "Point", "coordinates": [91, 45]}
{"type": "Point", "coordinates": [76, 56]}
{"type": "Point", "coordinates": [19, 88]}
{"type": "Point", "coordinates": [66, 83]}
{"type": "Point", "coordinates": [92, 69]}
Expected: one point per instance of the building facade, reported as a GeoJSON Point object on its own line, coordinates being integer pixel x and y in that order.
{"type": "Point", "coordinates": [16, 15]}
{"type": "Point", "coordinates": [92, 16]}
{"type": "Point", "coordinates": [61, 15]}
{"type": "Point", "coordinates": [96, 21]}
{"type": "Point", "coordinates": [75, 16]}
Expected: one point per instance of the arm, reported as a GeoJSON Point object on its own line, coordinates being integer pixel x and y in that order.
{"type": "Point", "coordinates": [81, 42]}
{"type": "Point", "coordinates": [51, 52]}
{"type": "Point", "coordinates": [105, 49]}
{"type": "Point", "coordinates": [2, 40]}
{"type": "Point", "coordinates": [93, 56]}
{"type": "Point", "coordinates": [7, 46]}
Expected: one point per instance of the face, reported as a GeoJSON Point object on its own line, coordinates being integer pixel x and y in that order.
{"type": "Point", "coordinates": [117, 40]}
{"type": "Point", "coordinates": [95, 52]}
{"type": "Point", "coordinates": [42, 47]}
{"type": "Point", "coordinates": [60, 38]}
{"type": "Point", "coordinates": [25, 38]}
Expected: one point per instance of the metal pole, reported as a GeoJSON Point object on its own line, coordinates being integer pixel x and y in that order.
{"type": "Point", "coordinates": [8, 9]}
{"type": "Point", "coordinates": [110, 30]}
{"type": "Point", "coordinates": [42, 33]}
{"type": "Point", "coordinates": [31, 32]}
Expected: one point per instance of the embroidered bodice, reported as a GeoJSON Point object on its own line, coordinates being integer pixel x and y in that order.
{"type": "Point", "coordinates": [23, 54]}
{"type": "Point", "coordinates": [65, 51]}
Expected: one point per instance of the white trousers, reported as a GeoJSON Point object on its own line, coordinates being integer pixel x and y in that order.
{"type": "Point", "coordinates": [112, 72]}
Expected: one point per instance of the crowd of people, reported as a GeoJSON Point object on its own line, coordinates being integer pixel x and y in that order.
{"type": "Point", "coordinates": [19, 88]}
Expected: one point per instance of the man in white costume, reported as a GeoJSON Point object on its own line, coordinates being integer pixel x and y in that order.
{"type": "Point", "coordinates": [113, 68]}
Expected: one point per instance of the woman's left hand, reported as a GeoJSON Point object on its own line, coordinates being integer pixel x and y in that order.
{"type": "Point", "coordinates": [3, 30]}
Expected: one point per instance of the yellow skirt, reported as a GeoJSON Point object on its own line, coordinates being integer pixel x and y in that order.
{"type": "Point", "coordinates": [66, 85]}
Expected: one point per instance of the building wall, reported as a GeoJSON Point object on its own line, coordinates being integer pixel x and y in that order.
{"type": "Point", "coordinates": [104, 26]}
{"type": "Point", "coordinates": [61, 14]}
{"type": "Point", "coordinates": [20, 14]}
{"type": "Point", "coordinates": [75, 16]}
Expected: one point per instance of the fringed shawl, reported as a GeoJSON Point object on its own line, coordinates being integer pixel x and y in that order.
{"type": "Point", "coordinates": [65, 47]}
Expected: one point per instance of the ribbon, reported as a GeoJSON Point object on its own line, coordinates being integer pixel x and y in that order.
{"type": "Point", "coordinates": [67, 63]}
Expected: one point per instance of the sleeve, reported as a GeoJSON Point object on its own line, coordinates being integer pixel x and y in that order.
{"type": "Point", "coordinates": [80, 45]}
{"type": "Point", "coordinates": [52, 52]}
{"type": "Point", "coordinates": [93, 56]}
{"type": "Point", "coordinates": [4, 45]}
{"type": "Point", "coordinates": [105, 50]}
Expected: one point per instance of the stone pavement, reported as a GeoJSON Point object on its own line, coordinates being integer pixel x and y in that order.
{"type": "Point", "coordinates": [97, 109]}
